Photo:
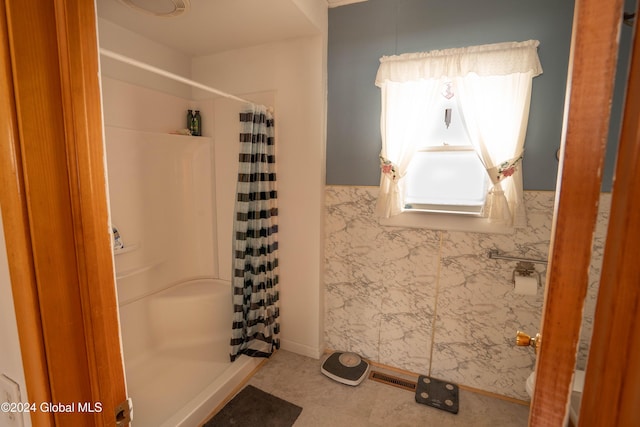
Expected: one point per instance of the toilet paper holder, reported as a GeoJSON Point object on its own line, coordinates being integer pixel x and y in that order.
{"type": "Point", "coordinates": [525, 269]}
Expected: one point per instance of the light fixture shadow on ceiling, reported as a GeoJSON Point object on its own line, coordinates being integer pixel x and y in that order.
{"type": "Point", "coordinates": [162, 9]}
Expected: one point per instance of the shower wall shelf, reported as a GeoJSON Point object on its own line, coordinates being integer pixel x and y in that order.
{"type": "Point", "coordinates": [495, 254]}
{"type": "Point", "coordinates": [161, 133]}
{"type": "Point", "coordinates": [133, 271]}
{"type": "Point", "coordinates": [128, 248]}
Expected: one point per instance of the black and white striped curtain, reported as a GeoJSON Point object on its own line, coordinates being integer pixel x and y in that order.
{"type": "Point", "coordinates": [255, 263]}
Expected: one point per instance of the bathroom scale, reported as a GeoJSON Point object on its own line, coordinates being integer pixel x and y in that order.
{"type": "Point", "coordinates": [437, 394]}
{"type": "Point", "coordinates": [346, 368]}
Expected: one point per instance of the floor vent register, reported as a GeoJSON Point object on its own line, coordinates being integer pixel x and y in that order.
{"type": "Point", "coordinates": [428, 391]}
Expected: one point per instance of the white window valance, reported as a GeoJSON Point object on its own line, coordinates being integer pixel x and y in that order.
{"type": "Point", "coordinates": [484, 60]}
{"type": "Point", "coordinates": [493, 85]}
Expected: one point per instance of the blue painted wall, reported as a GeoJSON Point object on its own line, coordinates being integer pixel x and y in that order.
{"type": "Point", "coordinates": [617, 107]}
{"type": "Point", "coordinates": [359, 34]}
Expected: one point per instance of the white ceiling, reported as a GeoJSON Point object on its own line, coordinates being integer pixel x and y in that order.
{"type": "Point", "coordinates": [212, 26]}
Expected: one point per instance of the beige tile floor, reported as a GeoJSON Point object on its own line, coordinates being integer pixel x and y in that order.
{"type": "Point", "coordinates": [328, 403]}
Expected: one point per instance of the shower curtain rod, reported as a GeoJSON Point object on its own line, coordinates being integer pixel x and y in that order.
{"type": "Point", "coordinates": [167, 74]}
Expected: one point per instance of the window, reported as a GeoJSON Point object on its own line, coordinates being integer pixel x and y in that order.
{"type": "Point", "coordinates": [445, 174]}
{"type": "Point", "coordinates": [446, 180]}
{"type": "Point", "coordinates": [453, 124]}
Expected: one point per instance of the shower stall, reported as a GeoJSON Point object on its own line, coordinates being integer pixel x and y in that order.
{"type": "Point", "coordinates": [171, 202]}
{"type": "Point", "coordinates": [175, 312]}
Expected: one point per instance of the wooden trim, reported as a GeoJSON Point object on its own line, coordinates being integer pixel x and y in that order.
{"type": "Point", "coordinates": [78, 56]}
{"type": "Point", "coordinates": [40, 122]}
{"type": "Point", "coordinates": [53, 52]}
{"type": "Point", "coordinates": [613, 371]}
{"type": "Point", "coordinates": [589, 91]}
{"type": "Point", "coordinates": [16, 230]}
{"type": "Point", "coordinates": [413, 376]}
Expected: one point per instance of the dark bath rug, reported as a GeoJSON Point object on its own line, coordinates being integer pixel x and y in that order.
{"type": "Point", "coordinates": [254, 407]}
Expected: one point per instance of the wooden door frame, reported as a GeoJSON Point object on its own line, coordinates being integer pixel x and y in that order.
{"type": "Point", "coordinates": [589, 93]}
{"type": "Point", "coordinates": [55, 213]}
{"type": "Point", "coordinates": [592, 66]}
{"type": "Point", "coordinates": [16, 229]}
{"type": "Point", "coordinates": [54, 206]}
{"type": "Point", "coordinates": [614, 362]}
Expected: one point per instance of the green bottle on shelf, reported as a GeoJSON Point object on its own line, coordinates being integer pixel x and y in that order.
{"type": "Point", "coordinates": [190, 121]}
{"type": "Point", "coordinates": [197, 124]}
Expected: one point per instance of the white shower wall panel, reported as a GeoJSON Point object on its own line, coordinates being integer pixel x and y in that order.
{"type": "Point", "coordinates": [161, 195]}
{"type": "Point", "coordinates": [131, 106]}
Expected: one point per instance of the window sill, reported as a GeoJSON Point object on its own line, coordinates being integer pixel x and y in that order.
{"type": "Point", "coordinates": [448, 222]}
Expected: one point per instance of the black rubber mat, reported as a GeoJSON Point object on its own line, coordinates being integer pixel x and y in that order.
{"type": "Point", "coordinates": [254, 407]}
{"type": "Point", "coordinates": [438, 394]}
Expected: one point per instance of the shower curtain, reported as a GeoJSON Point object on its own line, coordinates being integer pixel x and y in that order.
{"type": "Point", "coordinates": [255, 262]}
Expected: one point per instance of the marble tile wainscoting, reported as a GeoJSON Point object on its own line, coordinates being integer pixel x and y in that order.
{"type": "Point", "coordinates": [432, 302]}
